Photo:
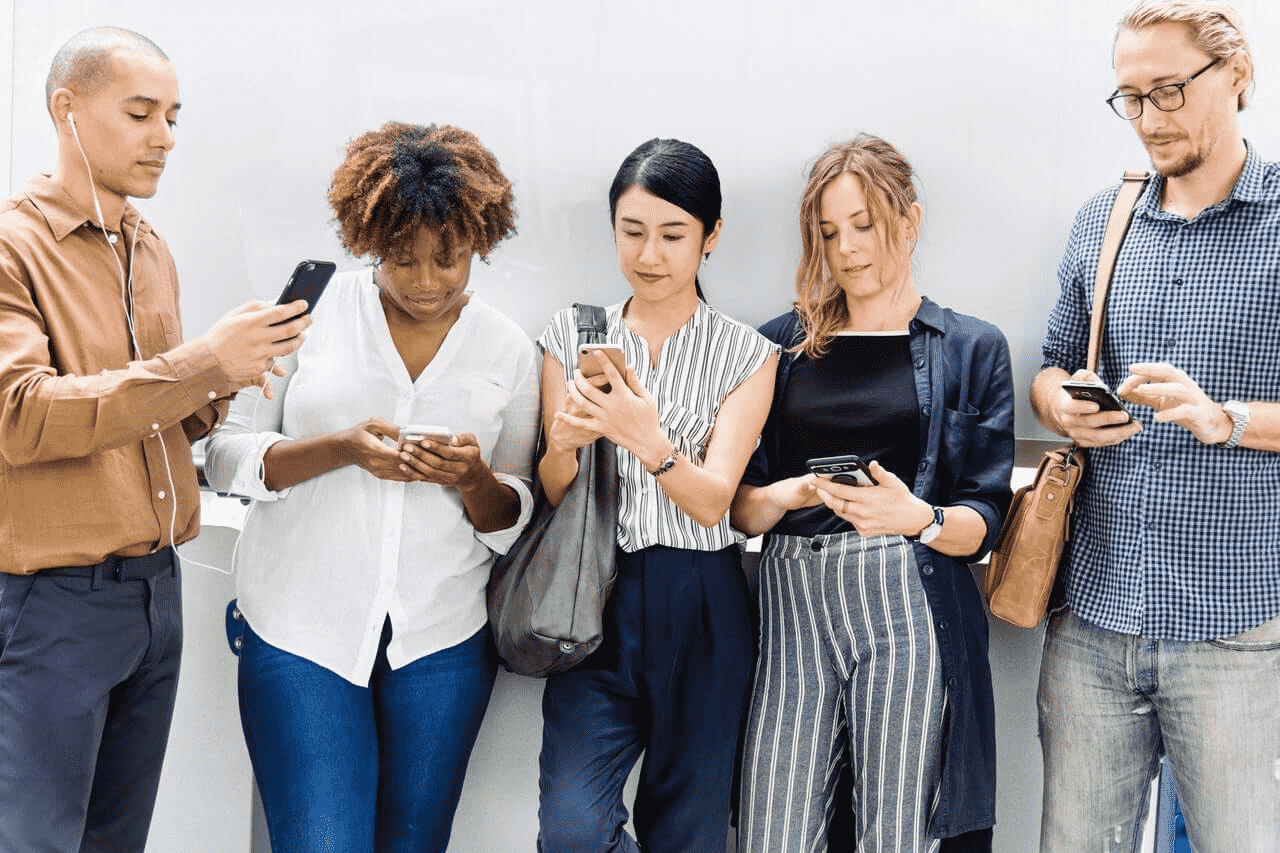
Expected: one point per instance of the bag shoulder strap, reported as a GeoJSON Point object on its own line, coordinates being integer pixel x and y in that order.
{"type": "Point", "coordinates": [592, 323]}
{"type": "Point", "coordinates": [1117, 227]}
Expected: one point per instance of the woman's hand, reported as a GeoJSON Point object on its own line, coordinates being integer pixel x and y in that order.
{"type": "Point", "coordinates": [626, 414]}
{"type": "Point", "coordinates": [794, 492]}
{"type": "Point", "coordinates": [457, 464]}
{"type": "Point", "coordinates": [489, 503]}
{"type": "Point", "coordinates": [570, 427]}
{"type": "Point", "coordinates": [887, 509]}
{"type": "Point", "coordinates": [364, 445]}
{"type": "Point", "coordinates": [756, 509]}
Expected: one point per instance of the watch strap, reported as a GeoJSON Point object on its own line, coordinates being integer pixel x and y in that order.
{"type": "Point", "coordinates": [1239, 414]}
{"type": "Point", "coordinates": [935, 526]}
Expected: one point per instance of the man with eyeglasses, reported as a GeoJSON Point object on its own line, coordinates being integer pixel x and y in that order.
{"type": "Point", "coordinates": [1170, 641]}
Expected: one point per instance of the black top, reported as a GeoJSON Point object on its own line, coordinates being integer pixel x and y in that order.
{"type": "Point", "coordinates": [858, 398]}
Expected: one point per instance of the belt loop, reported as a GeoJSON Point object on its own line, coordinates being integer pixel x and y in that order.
{"type": "Point", "coordinates": [96, 580]}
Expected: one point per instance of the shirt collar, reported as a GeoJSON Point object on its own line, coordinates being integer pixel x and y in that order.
{"type": "Point", "coordinates": [932, 315]}
{"type": "Point", "coordinates": [1249, 187]}
{"type": "Point", "coordinates": [61, 211]}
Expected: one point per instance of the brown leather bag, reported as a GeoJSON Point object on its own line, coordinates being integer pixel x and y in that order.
{"type": "Point", "coordinates": [1024, 562]}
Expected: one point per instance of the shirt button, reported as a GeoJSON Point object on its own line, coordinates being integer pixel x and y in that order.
{"type": "Point", "coordinates": [1156, 466]}
{"type": "Point", "coordinates": [951, 682]}
{"type": "Point", "coordinates": [925, 411]}
{"type": "Point", "coordinates": [926, 569]}
{"type": "Point", "coordinates": [213, 395]}
{"type": "Point", "coordinates": [1177, 282]}
{"type": "Point", "coordinates": [924, 465]}
{"type": "Point", "coordinates": [155, 427]}
{"type": "Point", "coordinates": [160, 494]}
{"type": "Point", "coordinates": [943, 625]}
{"type": "Point", "coordinates": [815, 545]}
{"type": "Point", "coordinates": [111, 238]}
{"type": "Point", "coordinates": [919, 364]}
{"type": "Point", "coordinates": [1169, 342]}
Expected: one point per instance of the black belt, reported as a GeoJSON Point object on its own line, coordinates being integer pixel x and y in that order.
{"type": "Point", "coordinates": [119, 568]}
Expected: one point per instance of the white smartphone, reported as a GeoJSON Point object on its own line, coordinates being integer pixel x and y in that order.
{"type": "Point", "coordinates": [425, 432]}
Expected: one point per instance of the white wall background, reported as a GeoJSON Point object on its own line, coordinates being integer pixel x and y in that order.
{"type": "Point", "coordinates": [998, 103]}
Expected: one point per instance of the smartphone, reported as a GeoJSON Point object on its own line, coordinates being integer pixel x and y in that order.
{"type": "Point", "coordinates": [848, 468]}
{"type": "Point", "coordinates": [307, 282]}
{"type": "Point", "coordinates": [1096, 392]}
{"type": "Point", "coordinates": [590, 367]}
{"type": "Point", "coordinates": [423, 432]}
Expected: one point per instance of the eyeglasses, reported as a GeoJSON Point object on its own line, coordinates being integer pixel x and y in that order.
{"type": "Point", "coordinates": [1166, 98]}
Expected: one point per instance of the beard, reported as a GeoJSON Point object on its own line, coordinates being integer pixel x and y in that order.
{"type": "Point", "coordinates": [1182, 167]}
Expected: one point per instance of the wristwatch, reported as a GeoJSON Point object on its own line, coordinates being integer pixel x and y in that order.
{"type": "Point", "coordinates": [1239, 414]}
{"type": "Point", "coordinates": [931, 530]}
{"type": "Point", "coordinates": [666, 464]}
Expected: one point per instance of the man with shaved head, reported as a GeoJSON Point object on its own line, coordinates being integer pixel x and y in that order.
{"type": "Point", "coordinates": [99, 401]}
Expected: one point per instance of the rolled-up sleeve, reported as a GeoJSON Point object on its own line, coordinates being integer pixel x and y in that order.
{"type": "Point", "coordinates": [514, 451]}
{"type": "Point", "coordinates": [983, 481]}
{"type": "Point", "coordinates": [234, 451]}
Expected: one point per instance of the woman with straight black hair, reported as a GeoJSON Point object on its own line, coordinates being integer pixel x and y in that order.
{"type": "Point", "coordinates": [672, 676]}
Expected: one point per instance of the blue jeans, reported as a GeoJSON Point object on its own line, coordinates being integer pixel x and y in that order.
{"type": "Point", "coordinates": [1111, 703]}
{"type": "Point", "coordinates": [343, 768]}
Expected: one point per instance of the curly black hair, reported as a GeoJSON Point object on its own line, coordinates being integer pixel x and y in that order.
{"type": "Point", "coordinates": [401, 176]}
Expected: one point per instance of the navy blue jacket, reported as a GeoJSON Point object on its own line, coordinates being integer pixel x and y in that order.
{"type": "Point", "coordinates": [964, 388]}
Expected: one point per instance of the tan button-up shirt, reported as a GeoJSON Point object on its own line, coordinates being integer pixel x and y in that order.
{"type": "Point", "coordinates": [95, 455]}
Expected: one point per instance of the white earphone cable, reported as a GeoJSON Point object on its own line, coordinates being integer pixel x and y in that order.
{"type": "Point", "coordinates": [126, 302]}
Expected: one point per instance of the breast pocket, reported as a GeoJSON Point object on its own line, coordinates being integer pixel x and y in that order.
{"type": "Point", "coordinates": [959, 437]}
{"type": "Point", "coordinates": [157, 332]}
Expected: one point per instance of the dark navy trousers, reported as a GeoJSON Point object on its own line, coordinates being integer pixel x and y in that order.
{"type": "Point", "coordinates": [671, 680]}
{"type": "Point", "coordinates": [88, 675]}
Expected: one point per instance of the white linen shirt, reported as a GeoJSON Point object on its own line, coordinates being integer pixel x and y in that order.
{"type": "Point", "coordinates": [324, 563]}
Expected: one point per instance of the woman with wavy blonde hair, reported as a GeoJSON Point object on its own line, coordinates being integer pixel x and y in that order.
{"type": "Point", "coordinates": [873, 651]}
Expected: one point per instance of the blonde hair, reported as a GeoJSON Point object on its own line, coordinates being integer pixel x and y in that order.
{"type": "Point", "coordinates": [886, 180]}
{"type": "Point", "coordinates": [1215, 27]}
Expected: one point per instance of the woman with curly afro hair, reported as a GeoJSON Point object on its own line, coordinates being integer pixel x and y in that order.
{"type": "Point", "coordinates": [365, 658]}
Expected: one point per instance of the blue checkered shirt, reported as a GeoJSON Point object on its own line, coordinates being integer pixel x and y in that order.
{"type": "Point", "coordinates": [1173, 538]}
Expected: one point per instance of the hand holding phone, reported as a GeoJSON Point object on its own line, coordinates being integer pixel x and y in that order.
{"type": "Point", "coordinates": [1096, 392]}
{"type": "Point", "coordinates": [848, 468]}
{"type": "Point", "coordinates": [308, 281]}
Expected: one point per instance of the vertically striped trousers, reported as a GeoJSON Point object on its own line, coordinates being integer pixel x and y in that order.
{"type": "Point", "coordinates": [848, 671]}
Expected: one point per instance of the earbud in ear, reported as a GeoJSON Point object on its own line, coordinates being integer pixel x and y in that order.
{"type": "Point", "coordinates": [71, 120]}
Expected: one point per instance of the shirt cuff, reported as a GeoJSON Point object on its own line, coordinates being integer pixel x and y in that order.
{"type": "Point", "coordinates": [500, 541]}
{"type": "Point", "coordinates": [248, 480]}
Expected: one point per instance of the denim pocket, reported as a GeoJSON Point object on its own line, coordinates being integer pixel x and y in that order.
{"type": "Point", "coordinates": [14, 590]}
{"type": "Point", "coordinates": [1264, 638]}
